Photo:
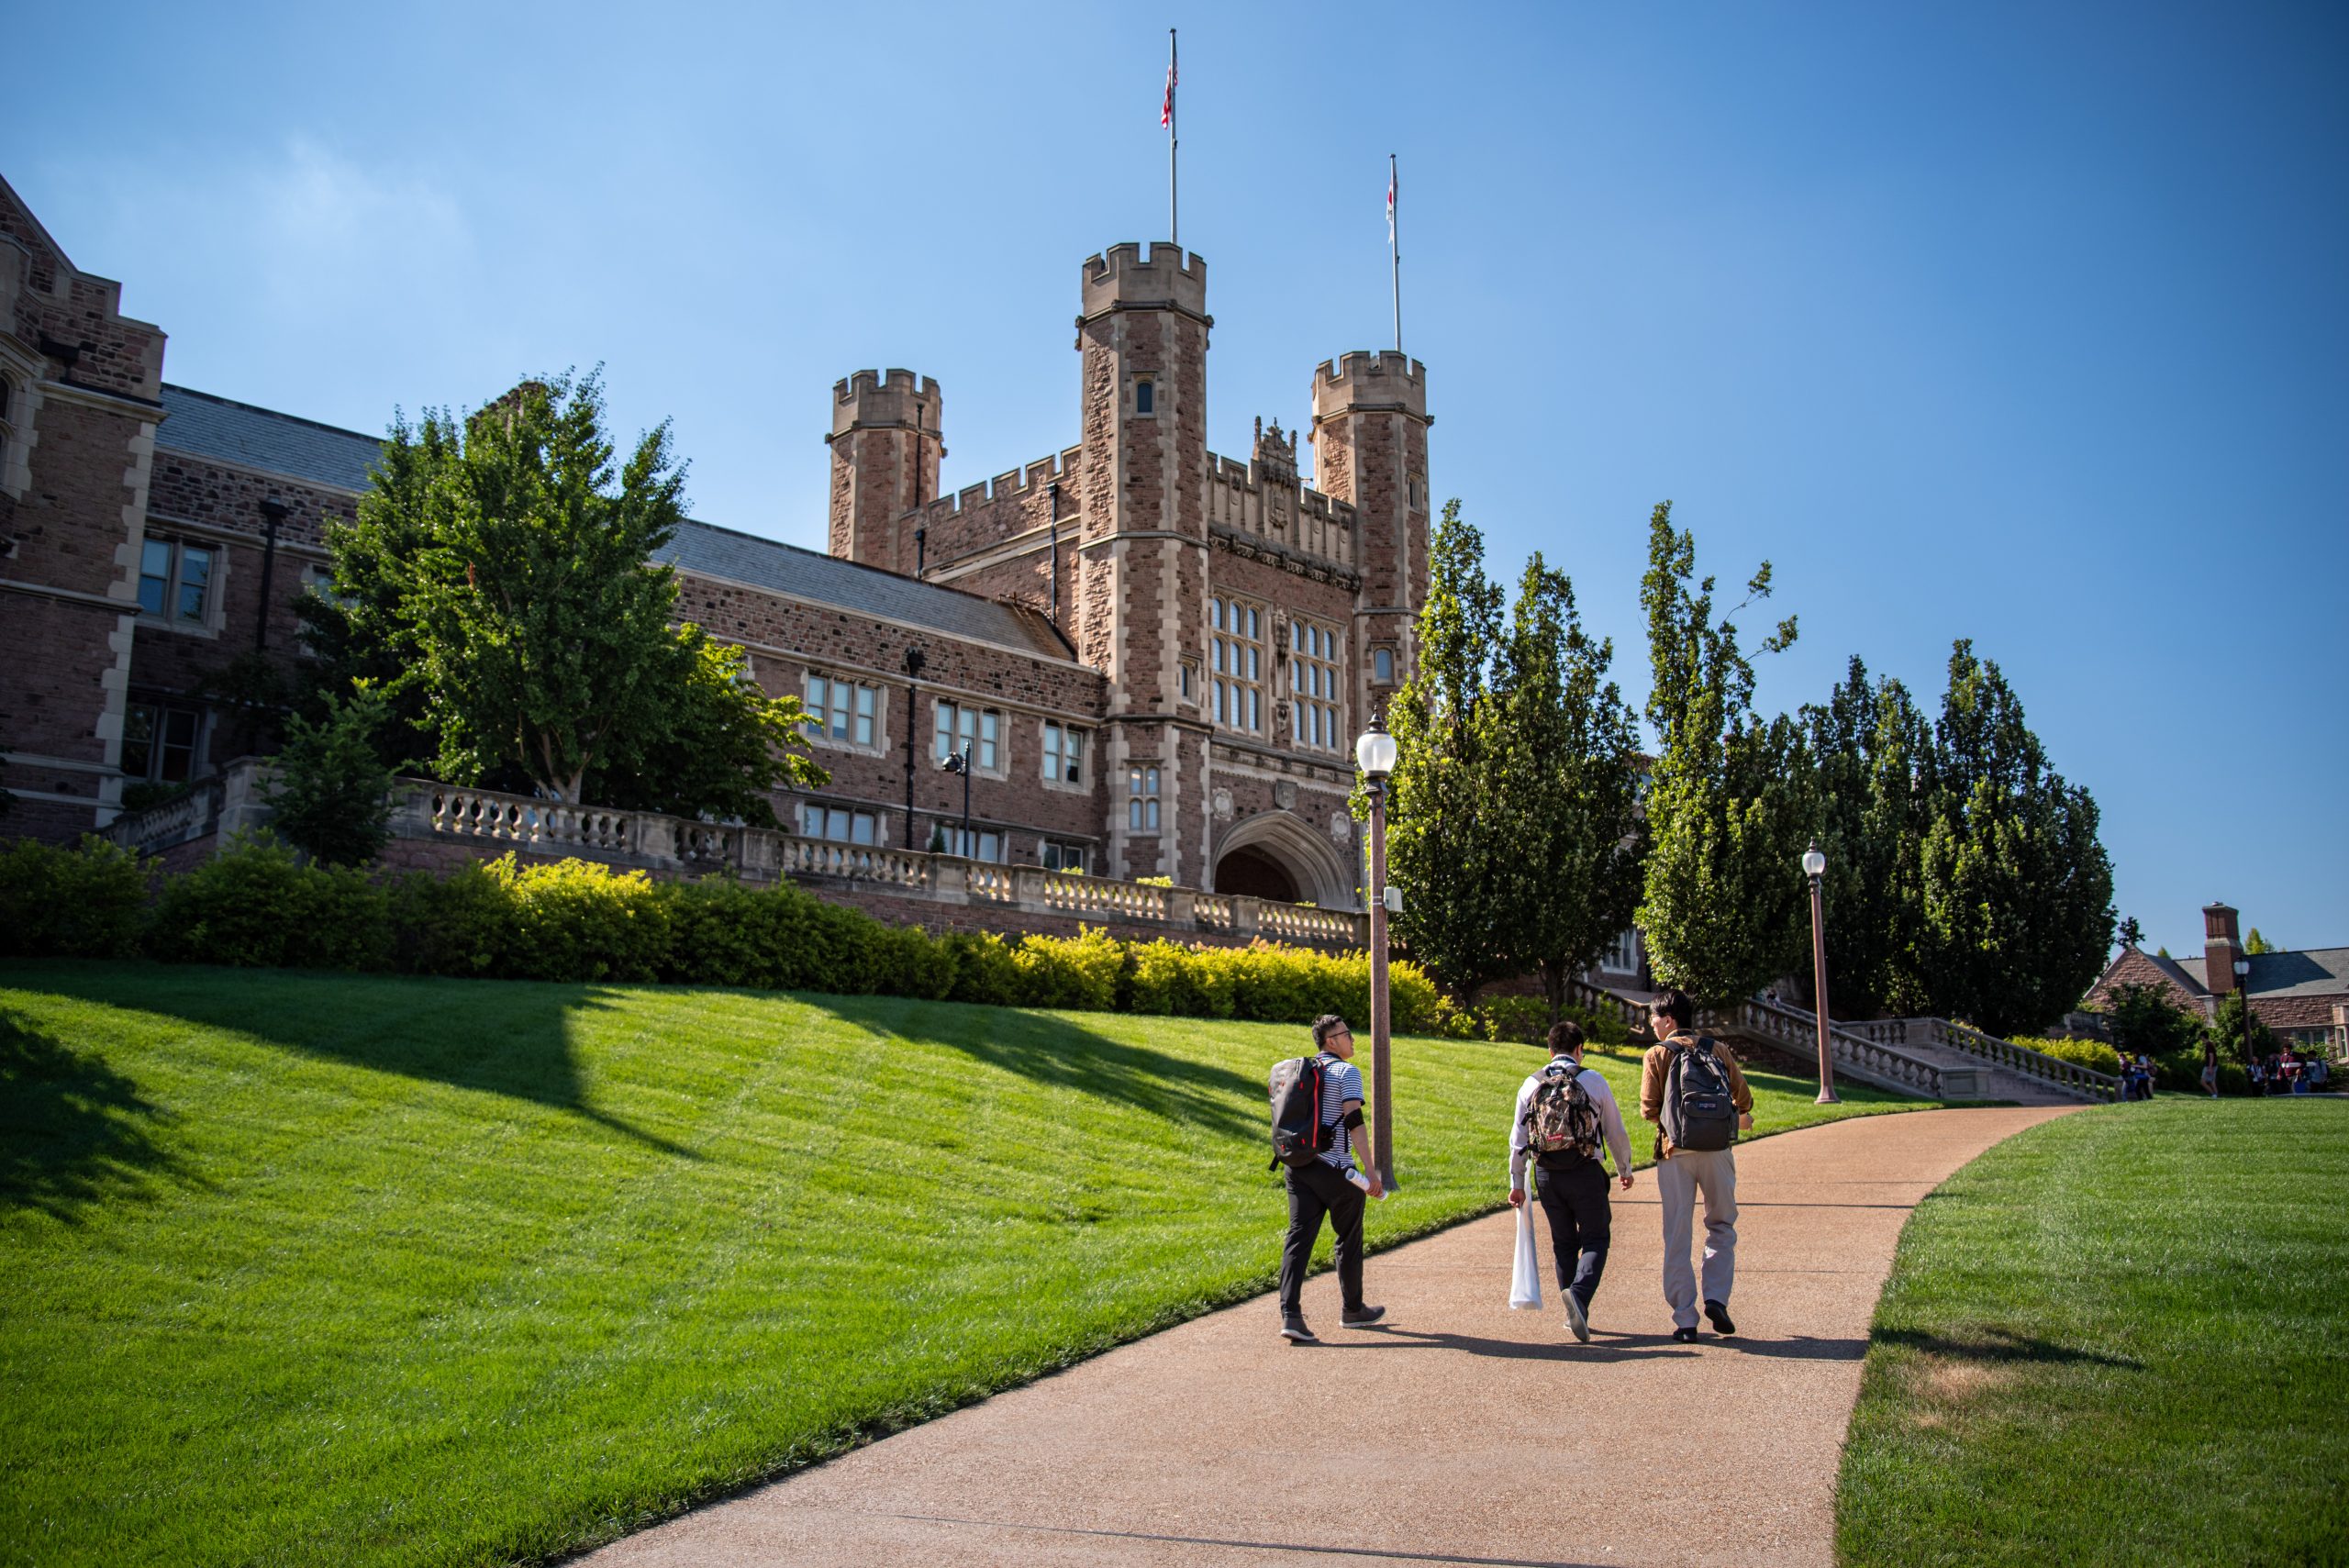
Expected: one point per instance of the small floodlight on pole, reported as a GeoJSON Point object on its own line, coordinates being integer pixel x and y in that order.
{"type": "Point", "coordinates": [1814, 866]}
{"type": "Point", "coordinates": [1374, 754]}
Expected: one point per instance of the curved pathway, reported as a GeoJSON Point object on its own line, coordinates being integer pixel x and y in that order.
{"type": "Point", "coordinates": [1457, 1431]}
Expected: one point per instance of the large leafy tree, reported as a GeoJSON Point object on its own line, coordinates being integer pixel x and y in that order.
{"type": "Point", "coordinates": [1867, 744]}
{"type": "Point", "coordinates": [499, 581]}
{"type": "Point", "coordinates": [1724, 906]}
{"type": "Point", "coordinates": [1565, 785]}
{"type": "Point", "coordinates": [1441, 843]}
{"type": "Point", "coordinates": [2017, 887]}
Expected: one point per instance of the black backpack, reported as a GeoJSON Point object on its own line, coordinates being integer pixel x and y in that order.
{"type": "Point", "coordinates": [1698, 1112]}
{"type": "Point", "coordinates": [1560, 1117]}
{"type": "Point", "coordinates": [1299, 1135]}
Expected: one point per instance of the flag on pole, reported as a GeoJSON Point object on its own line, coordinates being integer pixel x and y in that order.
{"type": "Point", "coordinates": [1390, 202]}
{"type": "Point", "coordinates": [1166, 110]}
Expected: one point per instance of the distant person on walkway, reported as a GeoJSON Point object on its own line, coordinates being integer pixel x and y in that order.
{"type": "Point", "coordinates": [1322, 1188]}
{"type": "Point", "coordinates": [1563, 1111]}
{"type": "Point", "coordinates": [1692, 1090]}
{"type": "Point", "coordinates": [2210, 1069]}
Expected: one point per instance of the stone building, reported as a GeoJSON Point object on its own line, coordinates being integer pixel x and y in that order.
{"type": "Point", "coordinates": [1158, 657]}
{"type": "Point", "coordinates": [2302, 996]}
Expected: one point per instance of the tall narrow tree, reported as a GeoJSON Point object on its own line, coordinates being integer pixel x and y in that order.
{"type": "Point", "coordinates": [1867, 743]}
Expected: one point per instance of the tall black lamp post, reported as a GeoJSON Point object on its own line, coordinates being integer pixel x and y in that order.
{"type": "Point", "coordinates": [274, 511]}
{"type": "Point", "coordinates": [1814, 866]}
{"type": "Point", "coordinates": [914, 661]}
{"type": "Point", "coordinates": [1374, 754]}
{"type": "Point", "coordinates": [959, 763]}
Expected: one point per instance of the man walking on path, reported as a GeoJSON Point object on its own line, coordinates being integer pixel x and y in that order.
{"type": "Point", "coordinates": [1570, 1181]}
{"type": "Point", "coordinates": [1671, 1083]}
{"type": "Point", "coordinates": [1322, 1187]}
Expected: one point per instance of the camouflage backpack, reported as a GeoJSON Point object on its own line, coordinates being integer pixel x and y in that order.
{"type": "Point", "coordinates": [1562, 1115]}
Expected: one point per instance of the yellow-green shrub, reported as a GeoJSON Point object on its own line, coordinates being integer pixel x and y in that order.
{"type": "Point", "coordinates": [2080, 1052]}
{"type": "Point", "coordinates": [1080, 971]}
{"type": "Point", "coordinates": [580, 920]}
{"type": "Point", "coordinates": [257, 905]}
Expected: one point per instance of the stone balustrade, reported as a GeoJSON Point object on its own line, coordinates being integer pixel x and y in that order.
{"type": "Point", "coordinates": [1989, 1049]}
{"type": "Point", "coordinates": [1867, 1061]}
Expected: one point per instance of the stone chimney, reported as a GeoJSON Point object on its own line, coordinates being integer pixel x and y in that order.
{"type": "Point", "coordinates": [2221, 947]}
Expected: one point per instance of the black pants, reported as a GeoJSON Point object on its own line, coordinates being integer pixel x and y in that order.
{"type": "Point", "coordinates": [1581, 1223]}
{"type": "Point", "coordinates": [1313, 1191]}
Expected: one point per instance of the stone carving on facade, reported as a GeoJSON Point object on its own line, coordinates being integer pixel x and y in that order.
{"type": "Point", "coordinates": [1342, 828]}
{"type": "Point", "coordinates": [1285, 792]}
{"type": "Point", "coordinates": [1223, 806]}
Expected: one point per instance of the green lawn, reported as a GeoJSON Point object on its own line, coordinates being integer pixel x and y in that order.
{"type": "Point", "coordinates": [2118, 1337]}
{"type": "Point", "coordinates": [306, 1267]}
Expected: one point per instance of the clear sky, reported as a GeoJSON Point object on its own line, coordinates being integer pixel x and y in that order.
{"type": "Point", "coordinates": [2024, 322]}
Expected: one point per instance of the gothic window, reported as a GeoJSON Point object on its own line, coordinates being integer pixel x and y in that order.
{"type": "Point", "coordinates": [977, 729]}
{"type": "Point", "coordinates": [159, 742]}
{"type": "Point", "coordinates": [1382, 666]}
{"type": "Point", "coordinates": [1314, 671]}
{"type": "Point", "coordinates": [1142, 799]}
{"type": "Point", "coordinates": [175, 580]}
{"type": "Point", "coordinates": [841, 824]}
{"type": "Point", "coordinates": [841, 710]}
{"type": "Point", "coordinates": [1058, 856]}
{"type": "Point", "coordinates": [1063, 753]}
{"type": "Point", "coordinates": [1236, 659]}
{"type": "Point", "coordinates": [1146, 397]}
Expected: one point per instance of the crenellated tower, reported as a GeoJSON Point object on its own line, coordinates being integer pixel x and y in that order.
{"type": "Point", "coordinates": [1140, 595]}
{"type": "Point", "coordinates": [886, 444]}
{"type": "Point", "coordinates": [1370, 443]}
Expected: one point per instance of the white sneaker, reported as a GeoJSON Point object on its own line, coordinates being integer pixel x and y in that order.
{"type": "Point", "coordinates": [1576, 1319]}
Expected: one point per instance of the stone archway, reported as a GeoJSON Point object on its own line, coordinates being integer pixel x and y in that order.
{"type": "Point", "coordinates": [1275, 846]}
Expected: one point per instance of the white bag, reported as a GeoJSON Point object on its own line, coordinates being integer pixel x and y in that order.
{"type": "Point", "coordinates": [1525, 1281]}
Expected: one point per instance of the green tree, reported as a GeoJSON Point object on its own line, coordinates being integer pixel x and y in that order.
{"type": "Point", "coordinates": [499, 580]}
{"type": "Point", "coordinates": [1724, 906]}
{"type": "Point", "coordinates": [1564, 798]}
{"type": "Point", "coordinates": [2256, 944]}
{"type": "Point", "coordinates": [2018, 890]}
{"type": "Point", "coordinates": [2227, 1032]}
{"type": "Point", "coordinates": [333, 793]}
{"type": "Point", "coordinates": [1866, 744]}
{"type": "Point", "coordinates": [1439, 841]}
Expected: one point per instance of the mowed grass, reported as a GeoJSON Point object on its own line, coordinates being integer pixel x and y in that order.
{"type": "Point", "coordinates": [309, 1268]}
{"type": "Point", "coordinates": [2118, 1337]}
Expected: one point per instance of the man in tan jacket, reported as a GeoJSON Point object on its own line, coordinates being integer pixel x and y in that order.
{"type": "Point", "coordinates": [1682, 1173]}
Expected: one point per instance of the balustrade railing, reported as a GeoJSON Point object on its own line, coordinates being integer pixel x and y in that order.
{"type": "Point", "coordinates": [2019, 1058]}
{"type": "Point", "coordinates": [1868, 1059]}
{"type": "Point", "coordinates": [174, 822]}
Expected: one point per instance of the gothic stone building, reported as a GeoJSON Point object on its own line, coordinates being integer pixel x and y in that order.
{"type": "Point", "coordinates": [1157, 656]}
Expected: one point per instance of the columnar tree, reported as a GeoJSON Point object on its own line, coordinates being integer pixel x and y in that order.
{"type": "Point", "coordinates": [1867, 745]}
{"type": "Point", "coordinates": [2017, 889]}
{"type": "Point", "coordinates": [1724, 906]}
{"type": "Point", "coordinates": [1565, 790]}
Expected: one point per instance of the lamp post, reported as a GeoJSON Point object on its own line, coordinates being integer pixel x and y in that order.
{"type": "Point", "coordinates": [1374, 754]}
{"type": "Point", "coordinates": [2242, 987]}
{"type": "Point", "coordinates": [959, 763]}
{"type": "Point", "coordinates": [915, 659]}
{"type": "Point", "coordinates": [1814, 866]}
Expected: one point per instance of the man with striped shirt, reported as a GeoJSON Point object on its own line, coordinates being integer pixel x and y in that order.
{"type": "Point", "coordinates": [1322, 1188]}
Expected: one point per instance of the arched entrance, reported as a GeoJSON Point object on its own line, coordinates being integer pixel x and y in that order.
{"type": "Point", "coordinates": [1277, 854]}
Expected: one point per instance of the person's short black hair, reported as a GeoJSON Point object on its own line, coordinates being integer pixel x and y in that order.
{"type": "Point", "coordinates": [1325, 1026]}
{"type": "Point", "coordinates": [1676, 1006]}
{"type": "Point", "coordinates": [1566, 1036]}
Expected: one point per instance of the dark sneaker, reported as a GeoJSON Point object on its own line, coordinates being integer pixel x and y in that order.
{"type": "Point", "coordinates": [1719, 1313]}
{"type": "Point", "coordinates": [1362, 1317]}
{"type": "Point", "coordinates": [1685, 1336]}
{"type": "Point", "coordinates": [1294, 1330]}
{"type": "Point", "coordinates": [1576, 1319]}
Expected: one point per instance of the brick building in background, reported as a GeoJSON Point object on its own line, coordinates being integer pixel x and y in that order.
{"type": "Point", "coordinates": [2302, 996]}
{"type": "Point", "coordinates": [1159, 657]}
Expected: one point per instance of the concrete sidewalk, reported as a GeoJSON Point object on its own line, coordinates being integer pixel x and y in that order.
{"type": "Point", "coordinates": [1457, 1431]}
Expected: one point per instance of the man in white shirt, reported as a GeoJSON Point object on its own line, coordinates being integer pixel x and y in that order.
{"type": "Point", "coordinates": [1571, 1183]}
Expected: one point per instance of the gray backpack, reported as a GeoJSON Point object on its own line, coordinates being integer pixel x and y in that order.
{"type": "Point", "coordinates": [1698, 1112]}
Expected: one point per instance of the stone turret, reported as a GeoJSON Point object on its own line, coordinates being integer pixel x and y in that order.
{"type": "Point", "coordinates": [1370, 445]}
{"type": "Point", "coordinates": [886, 442]}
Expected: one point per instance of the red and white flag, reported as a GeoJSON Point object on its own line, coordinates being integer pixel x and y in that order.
{"type": "Point", "coordinates": [1390, 203]}
{"type": "Point", "coordinates": [1166, 110]}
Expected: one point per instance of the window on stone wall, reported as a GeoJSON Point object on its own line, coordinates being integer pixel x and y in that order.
{"type": "Point", "coordinates": [1623, 957]}
{"type": "Point", "coordinates": [1236, 656]}
{"type": "Point", "coordinates": [1054, 855]}
{"type": "Point", "coordinates": [977, 844]}
{"type": "Point", "coordinates": [841, 710]}
{"type": "Point", "coordinates": [841, 824]}
{"type": "Point", "coordinates": [160, 741]}
{"type": "Point", "coordinates": [1315, 667]}
{"type": "Point", "coordinates": [1063, 753]}
{"type": "Point", "coordinates": [175, 580]}
{"type": "Point", "coordinates": [1382, 666]}
{"type": "Point", "coordinates": [1142, 799]}
{"type": "Point", "coordinates": [979, 728]}
{"type": "Point", "coordinates": [1146, 397]}
{"type": "Point", "coordinates": [1187, 679]}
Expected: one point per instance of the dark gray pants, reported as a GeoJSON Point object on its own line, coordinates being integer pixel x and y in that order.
{"type": "Point", "coordinates": [1581, 1223]}
{"type": "Point", "coordinates": [1313, 1191]}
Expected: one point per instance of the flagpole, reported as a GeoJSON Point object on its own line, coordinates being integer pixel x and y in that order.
{"type": "Point", "coordinates": [1393, 246]}
{"type": "Point", "coordinates": [1174, 222]}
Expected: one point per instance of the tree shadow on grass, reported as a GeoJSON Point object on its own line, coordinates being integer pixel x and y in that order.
{"type": "Point", "coordinates": [1989, 1343]}
{"type": "Point", "coordinates": [73, 1131]}
{"type": "Point", "coordinates": [1048, 1048]}
{"type": "Point", "coordinates": [510, 1038]}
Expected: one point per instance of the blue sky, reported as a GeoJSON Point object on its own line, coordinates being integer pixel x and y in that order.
{"type": "Point", "coordinates": [2020, 323]}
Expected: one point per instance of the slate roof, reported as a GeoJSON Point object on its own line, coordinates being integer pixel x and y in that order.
{"type": "Point", "coordinates": [217, 428]}
{"type": "Point", "coordinates": [2319, 971]}
{"type": "Point", "coordinates": [205, 426]}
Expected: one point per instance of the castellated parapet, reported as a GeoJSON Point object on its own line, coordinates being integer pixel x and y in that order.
{"type": "Point", "coordinates": [886, 442]}
{"type": "Point", "coordinates": [1367, 382]}
{"type": "Point", "coordinates": [1130, 277]}
{"type": "Point", "coordinates": [890, 400]}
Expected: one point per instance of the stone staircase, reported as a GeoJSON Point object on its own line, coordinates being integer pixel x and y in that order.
{"type": "Point", "coordinates": [2008, 1072]}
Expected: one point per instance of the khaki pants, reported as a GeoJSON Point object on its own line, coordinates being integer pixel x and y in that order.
{"type": "Point", "coordinates": [1678, 1180]}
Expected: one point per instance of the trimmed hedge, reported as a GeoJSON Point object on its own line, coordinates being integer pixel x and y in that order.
{"type": "Point", "coordinates": [260, 903]}
{"type": "Point", "coordinates": [2079, 1052]}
